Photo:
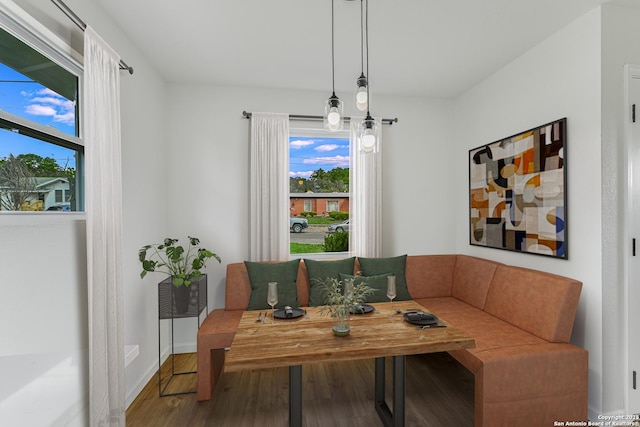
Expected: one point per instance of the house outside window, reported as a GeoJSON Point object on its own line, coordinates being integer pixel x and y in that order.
{"type": "Point", "coordinates": [41, 153]}
{"type": "Point", "coordinates": [307, 206]}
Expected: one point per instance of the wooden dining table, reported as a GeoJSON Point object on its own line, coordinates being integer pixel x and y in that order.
{"type": "Point", "coordinates": [309, 339]}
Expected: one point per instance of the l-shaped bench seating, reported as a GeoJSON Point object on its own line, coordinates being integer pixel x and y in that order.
{"type": "Point", "coordinates": [527, 373]}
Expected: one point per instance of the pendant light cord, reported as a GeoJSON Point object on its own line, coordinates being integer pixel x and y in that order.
{"type": "Point", "coordinates": [367, 49]}
{"type": "Point", "coordinates": [333, 59]}
{"type": "Point", "coordinates": [362, 36]}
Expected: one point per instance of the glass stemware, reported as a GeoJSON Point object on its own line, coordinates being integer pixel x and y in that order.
{"type": "Point", "coordinates": [272, 297]}
{"type": "Point", "coordinates": [391, 290]}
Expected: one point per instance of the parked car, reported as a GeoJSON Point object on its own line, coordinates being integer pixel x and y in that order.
{"type": "Point", "coordinates": [298, 224]}
{"type": "Point", "coordinates": [64, 208]}
{"type": "Point", "coordinates": [342, 226]}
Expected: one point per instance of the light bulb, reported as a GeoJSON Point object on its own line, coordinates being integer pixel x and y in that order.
{"type": "Point", "coordinates": [334, 116]}
{"type": "Point", "coordinates": [368, 136]}
{"type": "Point", "coordinates": [362, 94]}
{"type": "Point", "coordinates": [333, 113]}
{"type": "Point", "coordinates": [368, 140]}
{"type": "Point", "coordinates": [362, 98]}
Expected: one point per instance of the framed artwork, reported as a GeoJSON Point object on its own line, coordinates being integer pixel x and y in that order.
{"type": "Point", "coordinates": [518, 192]}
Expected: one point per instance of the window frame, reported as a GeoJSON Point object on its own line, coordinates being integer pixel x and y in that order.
{"type": "Point", "coordinates": [28, 30]}
{"type": "Point", "coordinates": [311, 131]}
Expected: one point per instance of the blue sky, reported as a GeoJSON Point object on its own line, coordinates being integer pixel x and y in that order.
{"type": "Point", "coordinates": [22, 97]}
{"type": "Point", "coordinates": [309, 154]}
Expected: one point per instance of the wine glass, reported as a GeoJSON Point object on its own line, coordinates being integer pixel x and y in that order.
{"type": "Point", "coordinates": [391, 289]}
{"type": "Point", "coordinates": [272, 297]}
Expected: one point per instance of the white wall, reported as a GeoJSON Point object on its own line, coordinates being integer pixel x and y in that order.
{"type": "Point", "coordinates": [143, 101]}
{"type": "Point", "coordinates": [558, 78]}
{"type": "Point", "coordinates": [209, 152]}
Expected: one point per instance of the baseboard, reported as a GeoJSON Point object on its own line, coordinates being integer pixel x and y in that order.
{"type": "Point", "coordinates": [185, 348]}
{"type": "Point", "coordinates": [150, 373]}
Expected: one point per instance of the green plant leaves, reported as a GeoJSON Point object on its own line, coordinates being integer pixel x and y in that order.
{"type": "Point", "coordinates": [182, 265]}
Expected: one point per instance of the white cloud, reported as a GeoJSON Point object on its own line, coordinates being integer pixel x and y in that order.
{"type": "Point", "coordinates": [305, 174]}
{"type": "Point", "coordinates": [49, 92]}
{"type": "Point", "coordinates": [342, 161]}
{"type": "Point", "coordinates": [40, 110]}
{"type": "Point", "coordinates": [326, 147]}
{"type": "Point", "coordinates": [48, 103]}
{"type": "Point", "coordinates": [301, 143]}
{"type": "Point", "coordinates": [49, 100]}
{"type": "Point", "coordinates": [67, 118]}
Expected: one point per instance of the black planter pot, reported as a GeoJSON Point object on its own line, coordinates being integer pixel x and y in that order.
{"type": "Point", "coordinates": [181, 297]}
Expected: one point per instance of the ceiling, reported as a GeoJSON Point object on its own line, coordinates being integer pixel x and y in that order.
{"type": "Point", "coordinates": [437, 48]}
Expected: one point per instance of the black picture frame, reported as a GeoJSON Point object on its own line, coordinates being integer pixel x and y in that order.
{"type": "Point", "coordinates": [518, 192]}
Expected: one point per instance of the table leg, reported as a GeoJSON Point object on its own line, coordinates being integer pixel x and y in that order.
{"type": "Point", "coordinates": [388, 418]}
{"type": "Point", "coordinates": [398, 390]}
{"type": "Point", "coordinates": [295, 396]}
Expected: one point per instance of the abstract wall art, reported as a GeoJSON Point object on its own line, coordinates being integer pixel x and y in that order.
{"type": "Point", "coordinates": [518, 192]}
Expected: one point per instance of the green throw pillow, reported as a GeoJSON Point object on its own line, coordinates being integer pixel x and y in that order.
{"type": "Point", "coordinates": [395, 266]}
{"type": "Point", "coordinates": [261, 273]}
{"type": "Point", "coordinates": [379, 283]}
{"type": "Point", "coordinates": [319, 271]}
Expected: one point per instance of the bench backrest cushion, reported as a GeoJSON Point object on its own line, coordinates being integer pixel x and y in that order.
{"type": "Point", "coordinates": [285, 274]}
{"type": "Point", "coordinates": [238, 286]}
{"type": "Point", "coordinates": [396, 266]}
{"type": "Point", "coordinates": [471, 279]}
{"type": "Point", "coordinates": [320, 271]}
{"type": "Point", "coordinates": [543, 304]}
{"type": "Point", "coordinates": [430, 276]}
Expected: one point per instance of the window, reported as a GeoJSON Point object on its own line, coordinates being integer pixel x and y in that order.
{"type": "Point", "coordinates": [319, 165]}
{"type": "Point", "coordinates": [41, 154]}
{"type": "Point", "coordinates": [333, 206]}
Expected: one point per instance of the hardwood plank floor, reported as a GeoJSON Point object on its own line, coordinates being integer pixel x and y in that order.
{"type": "Point", "coordinates": [439, 393]}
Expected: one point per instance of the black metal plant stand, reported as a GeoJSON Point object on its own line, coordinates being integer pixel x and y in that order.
{"type": "Point", "coordinates": [167, 310]}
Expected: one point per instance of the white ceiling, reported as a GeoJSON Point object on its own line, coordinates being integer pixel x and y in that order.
{"type": "Point", "coordinates": [424, 47]}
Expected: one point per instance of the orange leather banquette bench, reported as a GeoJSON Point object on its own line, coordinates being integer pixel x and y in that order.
{"type": "Point", "coordinates": [527, 373]}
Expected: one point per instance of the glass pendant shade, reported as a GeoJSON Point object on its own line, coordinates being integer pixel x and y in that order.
{"type": "Point", "coordinates": [362, 95]}
{"type": "Point", "coordinates": [367, 133]}
{"type": "Point", "coordinates": [333, 113]}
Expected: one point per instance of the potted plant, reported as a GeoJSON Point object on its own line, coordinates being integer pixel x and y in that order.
{"type": "Point", "coordinates": [341, 301]}
{"type": "Point", "coordinates": [183, 266]}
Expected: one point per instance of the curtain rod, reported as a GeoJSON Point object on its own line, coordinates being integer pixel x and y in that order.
{"type": "Point", "coordinates": [303, 117]}
{"type": "Point", "coordinates": [81, 24]}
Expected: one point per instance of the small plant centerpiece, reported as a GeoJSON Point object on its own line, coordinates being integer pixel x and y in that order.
{"type": "Point", "coordinates": [183, 266]}
{"type": "Point", "coordinates": [341, 300]}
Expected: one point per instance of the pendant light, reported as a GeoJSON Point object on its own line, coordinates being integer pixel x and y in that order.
{"type": "Point", "coordinates": [362, 96]}
{"type": "Point", "coordinates": [368, 129]}
{"type": "Point", "coordinates": [333, 109]}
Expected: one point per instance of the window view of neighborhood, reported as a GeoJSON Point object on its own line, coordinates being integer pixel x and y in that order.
{"type": "Point", "coordinates": [39, 150]}
{"type": "Point", "coordinates": [319, 193]}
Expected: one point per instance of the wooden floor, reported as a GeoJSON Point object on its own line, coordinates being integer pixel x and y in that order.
{"type": "Point", "coordinates": [439, 393]}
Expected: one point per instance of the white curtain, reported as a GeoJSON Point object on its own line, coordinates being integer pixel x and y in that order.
{"type": "Point", "coordinates": [365, 182]}
{"type": "Point", "coordinates": [103, 183]}
{"type": "Point", "coordinates": [269, 187]}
